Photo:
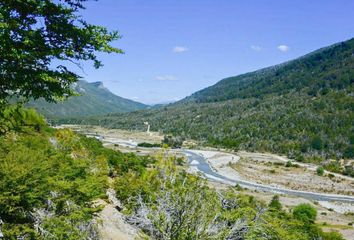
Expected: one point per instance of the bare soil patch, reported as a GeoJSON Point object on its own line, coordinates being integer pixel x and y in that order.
{"type": "Point", "coordinates": [272, 171]}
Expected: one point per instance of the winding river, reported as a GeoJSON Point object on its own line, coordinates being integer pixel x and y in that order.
{"type": "Point", "coordinates": [208, 172]}
{"type": "Point", "coordinates": [200, 163]}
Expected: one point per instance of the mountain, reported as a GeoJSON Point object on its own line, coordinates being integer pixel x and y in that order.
{"type": "Point", "coordinates": [327, 68]}
{"type": "Point", "coordinates": [94, 99]}
{"type": "Point", "coordinates": [302, 108]}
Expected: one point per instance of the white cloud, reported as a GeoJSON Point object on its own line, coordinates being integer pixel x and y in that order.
{"type": "Point", "coordinates": [166, 78]}
{"type": "Point", "coordinates": [135, 98]}
{"type": "Point", "coordinates": [283, 48]}
{"type": "Point", "coordinates": [179, 49]}
{"type": "Point", "coordinates": [256, 48]}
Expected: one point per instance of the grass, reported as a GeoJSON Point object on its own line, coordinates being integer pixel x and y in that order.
{"type": "Point", "coordinates": [335, 226]}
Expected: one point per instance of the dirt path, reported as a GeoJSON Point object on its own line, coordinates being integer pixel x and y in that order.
{"type": "Point", "coordinates": [111, 222]}
{"type": "Point", "coordinates": [112, 225]}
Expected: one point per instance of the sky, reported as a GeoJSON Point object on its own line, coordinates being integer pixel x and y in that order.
{"type": "Point", "coordinates": [176, 47]}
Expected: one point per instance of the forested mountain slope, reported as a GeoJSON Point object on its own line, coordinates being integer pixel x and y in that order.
{"type": "Point", "coordinates": [317, 72]}
{"type": "Point", "coordinates": [303, 108]}
{"type": "Point", "coordinates": [94, 99]}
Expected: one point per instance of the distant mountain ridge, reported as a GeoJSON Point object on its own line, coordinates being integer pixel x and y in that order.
{"type": "Point", "coordinates": [93, 100]}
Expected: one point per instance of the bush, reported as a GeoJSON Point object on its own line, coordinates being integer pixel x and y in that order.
{"type": "Point", "coordinates": [288, 164]}
{"type": "Point", "coordinates": [332, 236]}
{"type": "Point", "coordinates": [173, 142]}
{"type": "Point", "coordinates": [330, 175]}
{"type": "Point", "coordinates": [333, 166]}
{"type": "Point", "coordinates": [149, 145]}
{"type": "Point", "coordinates": [275, 203]}
{"type": "Point", "coordinates": [349, 171]}
{"type": "Point", "coordinates": [320, 171]}
{"type": "Point", "coordinates": [305, 213]}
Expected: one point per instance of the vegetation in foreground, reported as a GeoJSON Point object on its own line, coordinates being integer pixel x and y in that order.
{"type": "Point", "coordinates": [165, 202]}
{"type": "Point", "coordinates": [40, 41]}
{"type": "Point", "coordinates": [50, 179]}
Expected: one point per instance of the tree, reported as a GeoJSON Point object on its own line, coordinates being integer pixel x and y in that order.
{"type": "Point", "coordinates": [174, 142]}
{"type": "Point", "coordinates": [317, 143]}
{"type": "Point", "coordinates": [305, 212]}
{"type": "Point", "coordinates": [38, 40]}
{"type": "Point", "coordinates": [17, 118]}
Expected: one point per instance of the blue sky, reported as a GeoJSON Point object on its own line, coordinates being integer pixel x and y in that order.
{"type": "Point", "coordinates": [176, 47]}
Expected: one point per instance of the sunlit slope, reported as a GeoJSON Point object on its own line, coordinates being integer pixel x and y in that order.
{"type": "Point", "coordinates": [94, 99]}
{"type": "Point", "coordinates": [315, 73]}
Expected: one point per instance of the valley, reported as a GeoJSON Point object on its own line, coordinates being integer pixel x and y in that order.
{"type": "Point", "coordinates": [258, 174]}
{"type": "Point", "coordinates": [260, 171]}
{"type": "Point", "coordinates": [302, 109]}
{"type": "Point", "coordinates": [176, 120]}
{"type": "Point", "coordinates": [283, 135]}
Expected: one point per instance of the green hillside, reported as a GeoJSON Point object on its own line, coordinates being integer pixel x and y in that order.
{"type": "Point", "coordinates": [303, 108]}
{"type": "Point", "coordinates": [94, 99]}
{"type": "Point", "coordinates": [314, 73]}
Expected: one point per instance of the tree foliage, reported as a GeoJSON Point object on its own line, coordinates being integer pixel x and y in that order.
{"type": "Point", "coordinates": [49, 179]}
{"type": "Point", "coordinates": [38, 38]}
{"type": "Point", "coordinates": [169, 204]}
{"type": "Point", "coordinates": [17, 118]}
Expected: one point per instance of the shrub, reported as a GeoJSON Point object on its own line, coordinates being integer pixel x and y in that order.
{"type": "Point", "coordinates": [305, 213]}
{"type": "Point", "coordinates": [149, 145]}
{"type": "Point", "coordinates": [275, 203]}
{"type": "Point", "coordinates": [288, 164]}
{"type": "Point", "coordinates": [349, 171]}
{"type": "Point", "coordinates": [333, 166]}
{"type": "Point", "coordinates": [320, 171]}
{"type": "Point", "coordinates": [332, 236]}
{"type": "Point", "coordinates": [174, 142]}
